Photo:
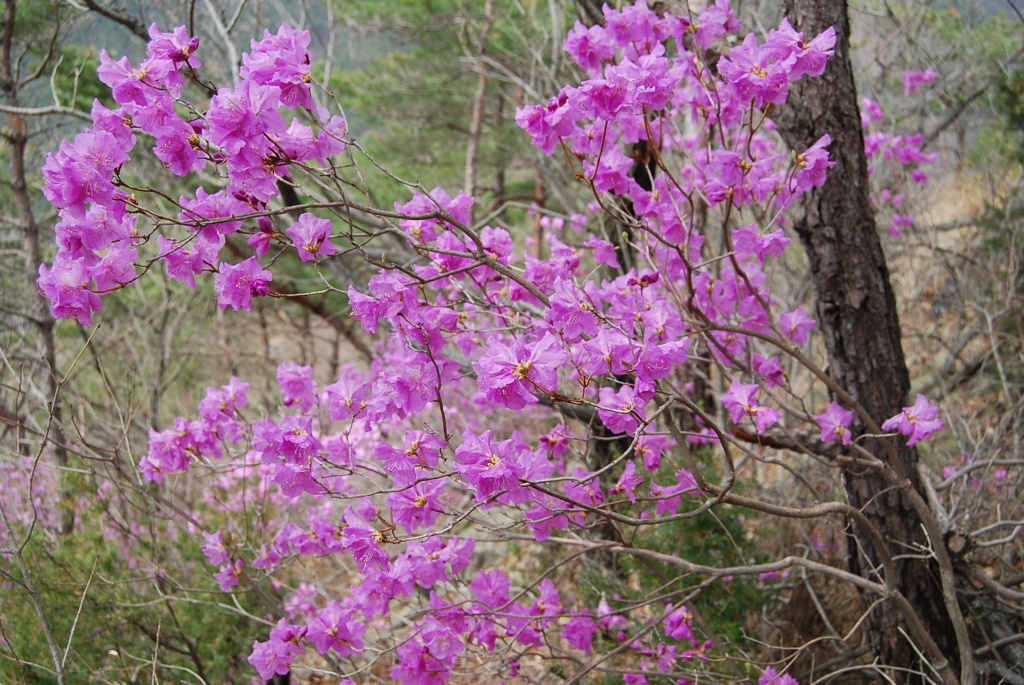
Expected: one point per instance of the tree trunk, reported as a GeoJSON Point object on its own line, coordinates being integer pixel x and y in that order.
{"type": "Point", "coordinates": [16, 135]}
{"type": "Point", "coordinates": [857, 315]}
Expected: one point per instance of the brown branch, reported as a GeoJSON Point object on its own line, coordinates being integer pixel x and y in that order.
{"type": "Point", "coordinates": [118, 15]}
{"type": "Point", "coordinates": [476, 120]}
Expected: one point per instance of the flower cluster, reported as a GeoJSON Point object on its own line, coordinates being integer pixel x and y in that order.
{"type": "Point", "coordinates": [895, 161]}
{"type": "Point", "coordinates": [242, 133]}
{"type": "Point", "coordinates": [450, 428]}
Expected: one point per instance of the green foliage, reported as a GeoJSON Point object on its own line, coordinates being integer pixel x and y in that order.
{"type": "Point", "coordinates": [75, 79]}
{"type": "Point", "coordinates": [721, 538]}
{"type": "Point", "coordinates": [411, 107]}
{"type": "Point", "coordinates": [127, 623]}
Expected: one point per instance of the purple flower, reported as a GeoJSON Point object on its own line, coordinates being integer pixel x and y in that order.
{"type": "Point", "coordinates": [229, 574]}
{"type": "Point", "coordinates": [870, 111]}
{"type": "Point", "coordinates": [748, 240]}
{"type": "Point", "coordinates": [293, 439]}
{"type": "Point", "coordinates": [589, 47]}
{"type": "Point", "coordinates": [579, 632]}
{"type": "Point", "coordinates": [186, 260]}
{"type": "Point", "coordinates": [588, 491]}
{"type": "Point", "coordinates": [270, 658]}
{"type": "Point", "coordinates": [490, 588]}
{"type": "Point", "coordinates": [67, 286]}
{"type": "Point", "coordinates": [713, 22]}
{"type": "Point", "coordinates": [310, 235]}
{"type": "Point", "coordinates": [237, 284]}
{"type": "Point", "coordinates": [812, 165]}
{"type": "Point", "coordinates": [346, 398]}
{"type": "Point", "coordinates": [677, 623]}
{"type": "Point", "coordinates": [912, 80]}
{"type": "Point", "coordinates": [261, 239]}
{"type": "Point", "coordinates": [417, 506]}
{"type": "Point", "coordinates": [741, 400]}
{"type": "Point", "coordinates": [389, 295]}
{"type": "Point", "coordinates": [796, 325]}
{"type": "Point", "coordinates": [835, 424]}
{"type": "Point", "coordinates": [619, 410]}
{"type": "Point", "coordinates": [571, 312]}
{"type": "Point", "coordinates": [282, 60]}
{"type": "Point", "coordinates": [787, 45]}
{"type": "Point", "coordinates": [176, 46]}
{"type": "Point", "coordinates": [541, 520]}
{"type": "Point", "coordinates": [604, 252]}
{"type": "Point", "coordinates": [628, 482]}
{"type": "Point", "coordinates": [417, 666]}
{"type": "Point", "coordinates": [772, 677]}
{"type": "Point", "coordinates": [295, 480]}
{"type": "Point", "coordinates": [437, 201]}
{"type": "Point", "coordinates": [754, 73]}
{"type": "Point", "coordinates": [918, 421]}
{"type": "Point", "coordinates": [363, 541]}
{"type": "Point", "coordinates": [442, 643]}
{"type": "Point", "coordinates": [206, 210]}
{"type": "Point", "coordinates": [243, 114]}
{"type": "Point", "coordinates": [489, 466]}
{"type": "Point", "coordinates": [335, 628]}
{"type": "Point", "coordinates": [214, 549]}
{"type": "Point", "coordinates": [421, 450]}
{"type": "Point", "coordinates": [508, 375]}
{"type": "Point", "coordinates": [297, 385]}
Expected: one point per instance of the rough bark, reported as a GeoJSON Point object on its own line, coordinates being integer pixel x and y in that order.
{"type": "Point", "coordinates": [858, 319]}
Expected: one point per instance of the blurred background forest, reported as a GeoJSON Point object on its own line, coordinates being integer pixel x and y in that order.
{"type": "Point", "coordinates": [430, 89]}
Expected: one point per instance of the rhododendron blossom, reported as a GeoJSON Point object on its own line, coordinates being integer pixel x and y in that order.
{"type": "Point", "coordinates": [504, 394]}
{"type": "Point", "coordinates": [918, 422]}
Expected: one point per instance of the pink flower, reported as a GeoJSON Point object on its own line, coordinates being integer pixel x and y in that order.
{"type": "Point", "coordinates": [214, 549]}
{"type": "Point", "coordinates": [678, 623]}
{"type": "Point", "coordinates": [334, 628]}
{"type": "Point", "coordinates": [805, 58]}
{"type": "Point", "coordinates": [281, 60]}
{"type": "Point", "coordinates": [418, 506]}
{"type": "Point", "coordinates": [237, 284]}
{"type": "Point", "coordinates": [310, 235]}
{"type": "Point", "coordinates": [490, 588]}
{"type": "Point", "coordinates": [912, 80]}
{"type": "Point", "coordinates": [67, 286]}
{"type": "Point", "coordinates": [363, 541]}
{"type": "Point", "coordinates": [604, 252]}
{"type": "Point", "coordinates": [741, 400]}
{"type": "Point", "coordinates": [509, 375]}
{"type": "Point", "coordinates": [754, 73]}
{"type": "Point", "coordinates": [297, 385]}
{"type": "Point", "coordinates": [870, 112]}
{"type": "Point", "coordinates": [796, 325]}
{"type": "Point", "coordinates": [243, 114]}
{"type": "Point", "coordinates": [229, 574]}
{"type": "Point", "coordinates": [488, 465]}
{"type": "Point", "coordinates": [772, 677]}
{"type": "Point", "coordinates": [749, 240]}
{"type": "Point", "coordinates": [812, 165]}
{"type": "Point", "coordinates": [628, 482]}
{"type": "Point", "coordinates": [579, 632]}
{"type": "Point", "coordinates": [270, 658]}
{"type": "Point", "coordinates": [176, 46]}
{"type": "Point", "coordinates": [918, 421]}
{"type": "Point", "coordinates": [589, 47]}
{"type": "Point", "coordinates": [835, 424]}
{"type": "Point", "coordinates": [571, 312]}
{"type": "Point", "coordinates": [619, 410]}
